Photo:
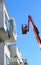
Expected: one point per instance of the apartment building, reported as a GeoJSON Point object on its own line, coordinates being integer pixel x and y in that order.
{"type": "Point", "coordinates": [7, 24]}
{"type": "Point", "coordinates": [10, 55]}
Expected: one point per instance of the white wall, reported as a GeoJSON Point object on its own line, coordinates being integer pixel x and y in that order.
{"type": "Point", "coordinates": [6, 53]}
{"type": "Point", "coordinates": [5, 12]}
{"type": "Point", "coordinates": [1, 15]}
{"type": "Point", "coordinates": [1, 53]}
{"type": "Point", "coordinates": [15, 51]}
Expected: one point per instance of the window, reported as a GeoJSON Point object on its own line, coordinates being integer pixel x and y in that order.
{"type": "Point", "coordinates": [11, 24]}
{"type": "Point", "coordinates": [6, 22]}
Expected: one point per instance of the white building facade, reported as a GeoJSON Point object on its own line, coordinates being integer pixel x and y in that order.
{"type": "Point", "coordinates": [7, 24]}
{"type": "Point", "coordinates": [10, 55]}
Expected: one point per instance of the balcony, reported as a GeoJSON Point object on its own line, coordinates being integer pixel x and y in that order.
{"type": "Point", "coordinates": [14, 61]}
{"type": "Point", "coordinates": [8, 33]}
{"type": "Point", "coordinates": [7, 25]}
{"type": "Point", "coordinates": [25, 62]}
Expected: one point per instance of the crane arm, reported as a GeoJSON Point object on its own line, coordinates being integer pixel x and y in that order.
{"type": "Point", "coordinates": [30, 20]}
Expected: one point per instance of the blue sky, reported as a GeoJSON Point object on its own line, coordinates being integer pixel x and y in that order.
{"type": "Point", "coordinates": [27, 44]}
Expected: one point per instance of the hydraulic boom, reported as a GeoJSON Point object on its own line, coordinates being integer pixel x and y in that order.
{"type": "Point", "coordinates": [25, 29]}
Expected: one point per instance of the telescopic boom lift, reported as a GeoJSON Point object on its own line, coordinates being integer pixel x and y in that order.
{"type": "Point", "coordinates": [25, 29]}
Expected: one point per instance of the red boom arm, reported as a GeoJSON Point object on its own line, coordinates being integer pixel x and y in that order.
{"type": "Point", "coordinates": [35, 29]}
{"type": "Point", "coordinates": [26, 28]}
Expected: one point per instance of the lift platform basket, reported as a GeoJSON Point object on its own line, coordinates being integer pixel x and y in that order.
{"type": "Point", "coordinates": [24, 28]}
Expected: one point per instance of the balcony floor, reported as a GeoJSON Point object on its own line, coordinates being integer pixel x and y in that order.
{"type": "Point", "coordinates": [4, 36]}
{"type": "Point", "coordinates": [14, 63]}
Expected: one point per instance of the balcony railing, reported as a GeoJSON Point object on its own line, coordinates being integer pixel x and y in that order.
{"type": "Point", "coordinates": [10, 25]}
{"type": "Point", "coordinates": [16, 60]}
